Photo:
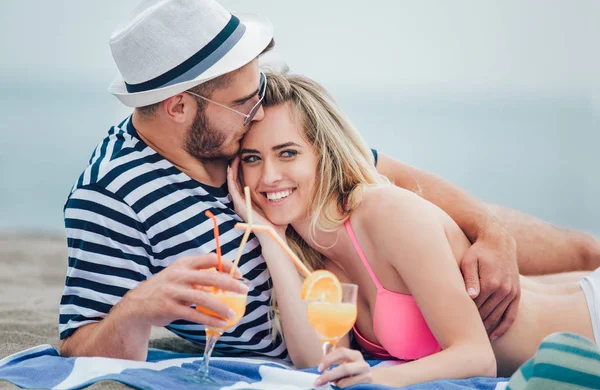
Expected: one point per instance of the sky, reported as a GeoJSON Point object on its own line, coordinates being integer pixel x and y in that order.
{"type": "Point", "coordinates": [500, 97]}
{"type": "Point", "coordinates": [536, 46]}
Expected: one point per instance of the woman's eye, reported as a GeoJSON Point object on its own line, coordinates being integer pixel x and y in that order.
{"type": "Point", "coordinates": [289, 153]}
{"type": "Point", "coordinates": [250, 159]}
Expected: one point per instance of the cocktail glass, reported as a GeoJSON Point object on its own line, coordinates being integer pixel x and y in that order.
{"type": "Point", "coordinates": [332, 320]}
{"type": "Point", "coordinates": [237, 303]}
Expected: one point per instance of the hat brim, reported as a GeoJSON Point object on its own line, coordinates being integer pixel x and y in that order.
{"type": "Point", "coordinates": [258, 34]}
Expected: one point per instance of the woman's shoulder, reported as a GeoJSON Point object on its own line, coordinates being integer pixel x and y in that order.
{"type": "Point", "coordinates": [381, 199]}
{"type": "Point", "coordinates": [382, 207]}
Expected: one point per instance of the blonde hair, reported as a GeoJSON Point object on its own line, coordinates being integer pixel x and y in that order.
{"type": "Point", "coordinates": [345, 163]}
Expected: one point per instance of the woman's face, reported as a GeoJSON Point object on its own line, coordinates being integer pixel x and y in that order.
{"type": "Point", "coordinates": [279, 166]}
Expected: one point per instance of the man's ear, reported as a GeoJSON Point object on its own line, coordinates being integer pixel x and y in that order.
{"type": "Point", "coordinates": [179, 107]}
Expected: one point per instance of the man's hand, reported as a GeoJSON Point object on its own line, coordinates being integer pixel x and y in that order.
{"type": "Point", "coordinates": [168, 295]}
{"type": "Point", "coordinates": [158, 301]}
{"type": "Point", "coordinates": [491, 276]}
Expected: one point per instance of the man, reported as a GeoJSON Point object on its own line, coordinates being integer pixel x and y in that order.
{"type": "Point", "coordinates": [137, 234]}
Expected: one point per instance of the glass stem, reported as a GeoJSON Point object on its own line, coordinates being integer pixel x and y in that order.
{"type": "Point", "coordinates": [211, 341]}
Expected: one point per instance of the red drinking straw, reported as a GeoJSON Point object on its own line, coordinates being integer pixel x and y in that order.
{"type": "Point", "coordinates": [216, 231]}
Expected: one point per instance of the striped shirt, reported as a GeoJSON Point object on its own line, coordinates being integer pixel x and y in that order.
{"type": "Point", "coordinates": [131, 214]}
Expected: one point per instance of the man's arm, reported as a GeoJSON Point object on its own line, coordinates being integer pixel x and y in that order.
{"type": "Point", "coordinates": [125, 332]}
{"type": "Point", "coordinates": [468, 212]}
{"type": "Point", "coordinates": [116, 336]}
{"type": "Point", "coordinates": [541, 248]}
{"type": "Point", "coordinates": [111, 299]}
{"type": "Point", "coordinates": [490, 265]}
{"type": "Point", "coordinates": [545, 249]}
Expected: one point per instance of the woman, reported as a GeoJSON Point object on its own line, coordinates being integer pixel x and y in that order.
{"type": "Point", "coordinates": [311, 175]}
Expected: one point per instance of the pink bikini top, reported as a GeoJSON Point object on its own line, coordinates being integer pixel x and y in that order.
{"type": "Point", "coordinates": [397, 321]}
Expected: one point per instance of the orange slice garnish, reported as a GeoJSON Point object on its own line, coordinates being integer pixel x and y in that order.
{"type": "Point", "coordinates": [322, 286]}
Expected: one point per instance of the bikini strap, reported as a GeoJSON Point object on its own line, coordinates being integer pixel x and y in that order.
{"type": "Point", "coordinates": [360, 253]}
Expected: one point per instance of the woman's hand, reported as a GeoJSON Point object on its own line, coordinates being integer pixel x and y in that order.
{"type": "Point", "coordinates": [239, 201]}
{"type": "Point", "coordinates": [352, 369]}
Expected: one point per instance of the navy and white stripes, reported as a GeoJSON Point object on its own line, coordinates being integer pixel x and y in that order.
{"type": "Point", "coordinates": [131, 214]}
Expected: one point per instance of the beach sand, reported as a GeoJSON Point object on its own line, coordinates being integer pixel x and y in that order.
{"type": "Point", "coordinates": [32, 274]}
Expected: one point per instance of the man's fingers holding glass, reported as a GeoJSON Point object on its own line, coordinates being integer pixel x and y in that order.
{"type": "Point", "coordinates": [207, 280]}
{"type": "Point", "coordinates": [205, 300]}
{"type": "Point", "coordinates": [193, 315]}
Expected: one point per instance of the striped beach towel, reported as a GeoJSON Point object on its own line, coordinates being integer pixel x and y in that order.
{"type": "Point", "coordinates": [563, 361]}
{"type": "Point", "coordinates": [42, 368]}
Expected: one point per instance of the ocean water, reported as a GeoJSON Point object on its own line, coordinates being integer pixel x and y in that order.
{"type": "Point", "coordinates": [537, 154]}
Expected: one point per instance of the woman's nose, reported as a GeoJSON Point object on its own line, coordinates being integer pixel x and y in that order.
{"type": "Point", "coordinates": [271, 173]}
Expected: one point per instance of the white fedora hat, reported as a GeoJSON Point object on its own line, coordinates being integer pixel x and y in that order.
{"type": "Point", "coordinates": [169, 46]}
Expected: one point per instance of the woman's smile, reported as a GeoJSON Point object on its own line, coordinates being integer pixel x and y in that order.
{"type": "Point", "coordinates": [279, 196]}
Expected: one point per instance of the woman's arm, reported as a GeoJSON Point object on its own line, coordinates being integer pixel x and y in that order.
{"type": "Point", "coordinates": [489, 267]}
{"type": "Point", "coordinates": [302, 342]}
{"type": "Point", "coordinates": [409, 231]}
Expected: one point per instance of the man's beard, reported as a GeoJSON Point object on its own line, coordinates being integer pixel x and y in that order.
{"type": "Point", "coordinates": [204, 142]}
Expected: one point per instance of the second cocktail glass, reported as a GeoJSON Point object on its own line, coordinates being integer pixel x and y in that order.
{"type": "Point", "coordinates": [332, 320]}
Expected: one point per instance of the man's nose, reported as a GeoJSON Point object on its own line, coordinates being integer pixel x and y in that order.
{"type": "Point", "coordinates": [260, 114]}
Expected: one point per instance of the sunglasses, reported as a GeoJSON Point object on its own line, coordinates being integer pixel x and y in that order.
{"type": "Point", "coordinates": [249, 116]}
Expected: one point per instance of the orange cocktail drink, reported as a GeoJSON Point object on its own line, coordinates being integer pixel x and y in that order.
{"type": "Point", "coordinates": [234, 301]}
{"type": "Point", "coordinates": [330, 306]}
{"type": "Point", "coordinates": [331, 321]}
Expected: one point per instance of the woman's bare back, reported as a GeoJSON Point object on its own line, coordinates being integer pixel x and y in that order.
{"type": "Point", "coordinates": [544, 309]}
